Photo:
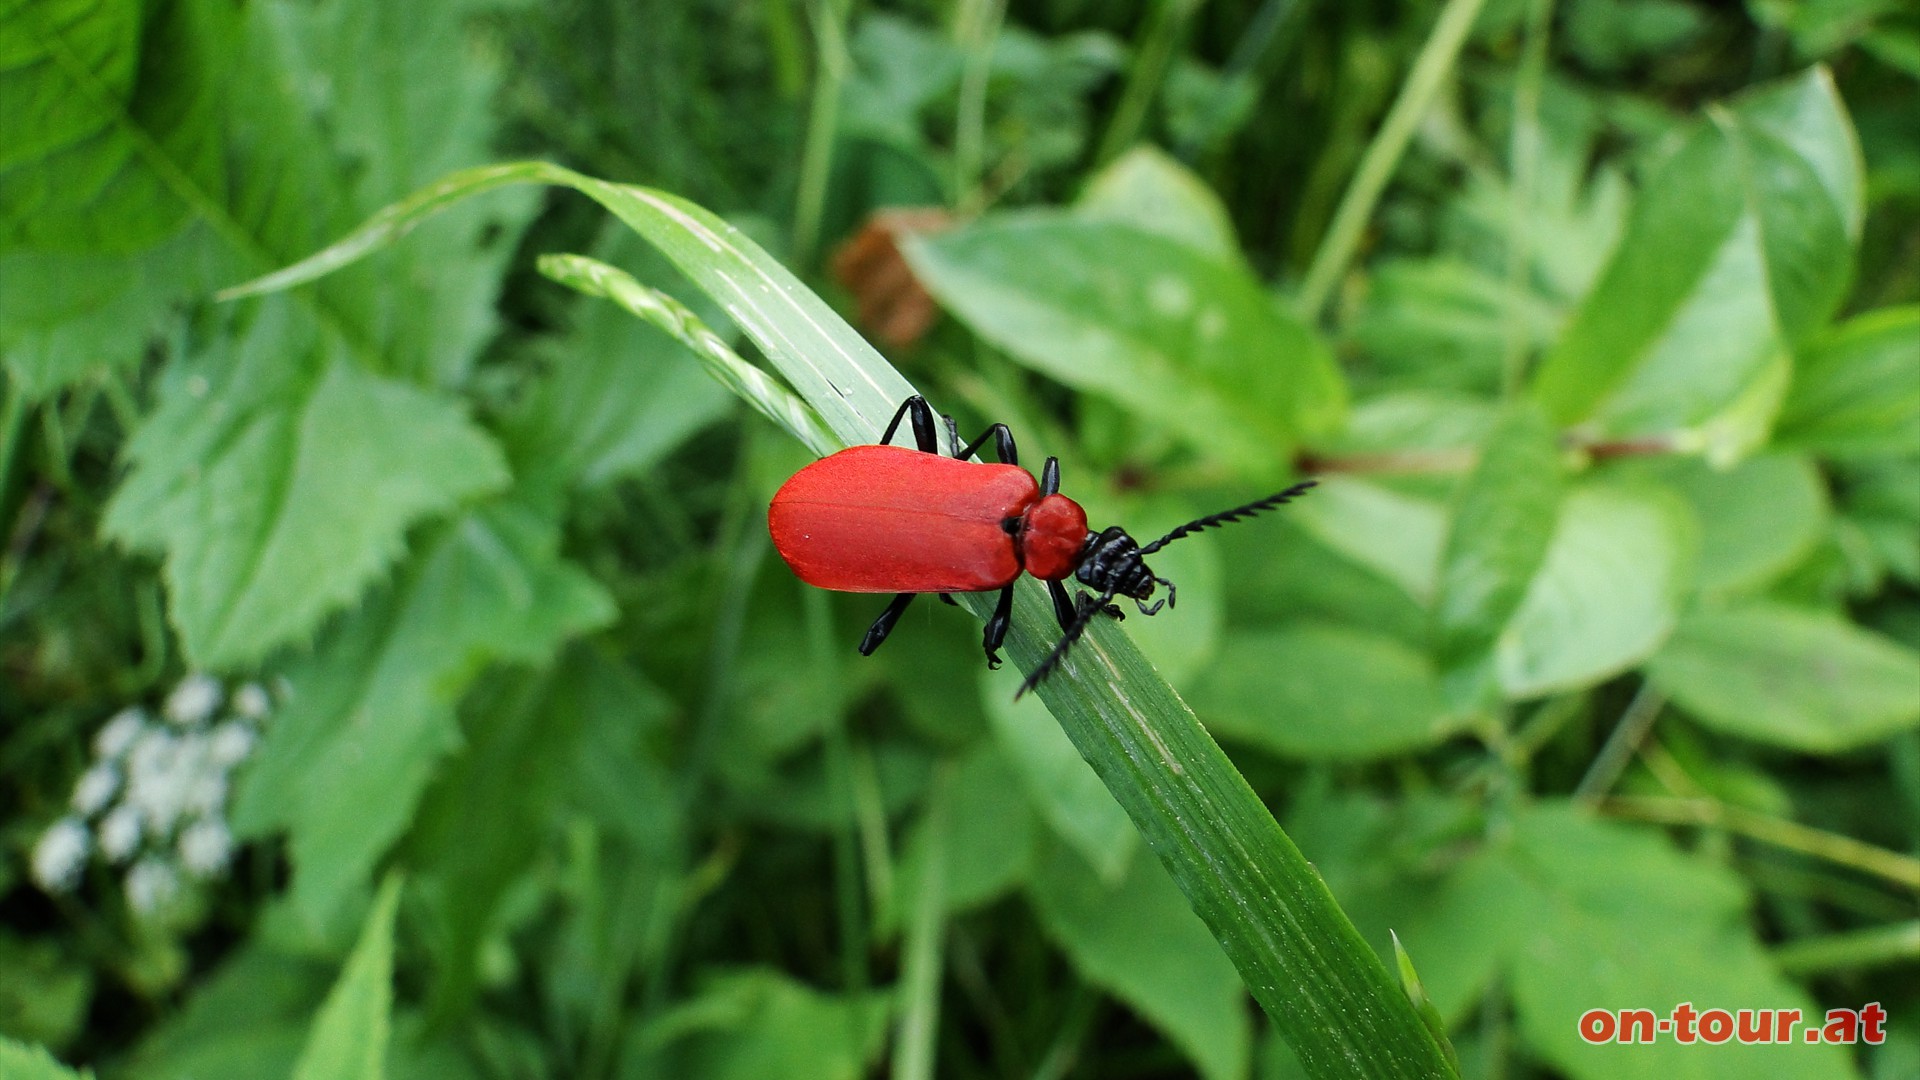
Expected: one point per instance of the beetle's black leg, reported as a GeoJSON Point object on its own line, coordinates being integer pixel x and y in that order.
{"type": "Point", "coordinates": [1050, 477]}
{"type": "Point", "coordinates": [1062, 603]}
{"type": "Point", "coordinates": [947, 599]}
{"type": "Point", "coordinates": [883, 625]}
{"type": "Point", "coordinates": [997, 626]}
{"type": "Point", "coordinates": [923, 433]}
{"type": "Point", "coordinates": [1002, 445]}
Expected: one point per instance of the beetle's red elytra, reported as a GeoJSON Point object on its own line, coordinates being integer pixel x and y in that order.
{"type": "Point", "coordinates": [886, 519]}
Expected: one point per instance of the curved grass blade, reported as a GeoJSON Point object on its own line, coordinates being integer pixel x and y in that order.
{"type": "Point", "coordinates": [770, 399]}
{"type": "Point", "coordinates": [1328, 993]}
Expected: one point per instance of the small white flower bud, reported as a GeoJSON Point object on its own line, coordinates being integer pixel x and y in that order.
{"type": "Point", "coordinates": [60, 855]}
{"type": "Point", "coordinates": [151, 885]}
{"type": "Point", "coordinates": [95, 789]}
{"type": "Point", "coordinates": [205, 847]}
{"type": "Point", "coordinates": [252, 702]}
{"type": "Point", "coordinates": [232, 742]}
{"type": "Point", "coordinates": [120, 733]}
{"type": "Point", "coordinates": [194, 700]}
{"type": "Point", "coordinates": [120, 833]}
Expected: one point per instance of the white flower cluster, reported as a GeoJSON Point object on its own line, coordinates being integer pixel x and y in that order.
{"type": "Point", "coordinates": [155, 798]}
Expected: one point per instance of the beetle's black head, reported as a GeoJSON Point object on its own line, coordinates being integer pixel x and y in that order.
{"type": "Point", "coordinates": [1113, 564]}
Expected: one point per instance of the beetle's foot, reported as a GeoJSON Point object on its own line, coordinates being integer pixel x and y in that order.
{"type": "Point", "coordinates": [993, 662]}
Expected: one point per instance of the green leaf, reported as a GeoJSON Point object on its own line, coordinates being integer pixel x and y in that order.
{"type": "Point", "coordinates": [1324, 692]}
{"type": "Point", "coordinates": [44, 994]}
{"type": "Point", "coordinates": [1737, 249]}
{"type": "Point", "coordinates": [1615, 918]}
{"type": "Point", "coordinates": [1150, 191]}
{"type": "Point", "coordinates": [1856, 391]}
{"type": "Point", "coordinates": [1800, 679]}
{"type": "Point", "coordinates": [278, 490]}
{"type": "Point", "coordinates": [344, 764]}
{"type": "Point", "coordinates": [349, 1036]}
{"type": "Point", "coordinates": [247, 1018]}
{"type": "Point", "coordinates": [748, 1025]}
{"type": "Point", "coordinates": [1066, 791]}
{"type": "Point", "coordinates": [1137, 938]}
{"type": "Point", "coordinates": [1395, 535]}
{"type": "Point", "coordinates": [1503, 518]}
{"type": "Point", "coordinates": [1177, 337]}
{"type": "Point", "coordinates": [1756, 519]}
{"type": "Point", "coordinates": [18, 1061]}
{"type": "Point", "coordinates": [1606, 596]}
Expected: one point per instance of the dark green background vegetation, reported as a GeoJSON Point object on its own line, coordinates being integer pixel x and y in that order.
{"type": "Point", "coordinates": [1591, 670]}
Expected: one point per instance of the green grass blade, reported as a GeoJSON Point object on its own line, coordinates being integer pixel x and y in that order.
{"type": "Point", "coordinates": [1329, 994]}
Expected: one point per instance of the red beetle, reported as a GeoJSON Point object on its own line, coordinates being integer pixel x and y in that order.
{"type": "Point", "coordinates": [885, 519]}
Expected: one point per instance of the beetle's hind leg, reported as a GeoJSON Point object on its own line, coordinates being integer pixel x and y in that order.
{"type": "Point", "coordinates": [997, 626]}
{"type": "Point", "coordinates": [923, 430]}
{"type": "Point", "coordinates": [1062, 604]}
{"type": "Point", "coordinates": [1003, 445]}
{"type": "Point", "coordinates": [883, 625]}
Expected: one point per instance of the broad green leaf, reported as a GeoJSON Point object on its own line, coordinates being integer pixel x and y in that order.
{"type": "Point", "coordinates": [1737, 249]}
{"type": "Point", "coordinates": [1148, 190]}
{"type": "Point", "coordinates": [1617, 919]}
{"type": "Point", "coordinates": [1176, 337]}
{"type": "Point", "coordinates": [1059, 783]}
{"type": "Point", "coordinates": [349, 1036]}
{"type": "Point", "coordinates": [1137, 938]}
{"type": "Point", "coordinates": [345, 763]}
{"type": "Point", "coordinates": [1856, 391]}
{"type": "Point", "coordinates": [1286, 574]}
{"type": "Point", "coordinates": [1606, 596]}
{"type": "Point", "coordinates": [19, 1061]}
{"type": "Point", "coordinates": [44, 993]}
{"type": "Point", "coordinates": [278, 489]}
{"type": "Point", "coordinates": [1324, 692]}
{"type": "Point", "coordinates": [1756, 519]}
{"type": "Point", "coordinates": [757, 1023]}
{"type": "Point", "coordinates": [1396, 536]}
{"type": "Point", "coordinates": [216, 168]}
{"type": "Point", "coordinates": [1502, 521]}
{"type": "Point", "coordinates": [1444, 324]}
{"type": "Point", "coordinates": [1801, 679]}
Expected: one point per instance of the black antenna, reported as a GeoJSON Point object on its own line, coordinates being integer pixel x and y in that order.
{"type": "Point", "coordinates": [1084, 609]}
{"type": "Point", "coordinates": [1234, 514]}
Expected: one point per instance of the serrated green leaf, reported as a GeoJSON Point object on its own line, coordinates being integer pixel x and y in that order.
{"type": "Point", "coordinates": [349, 1036]}
{"type": "Point", "coordinates": [1148, 190]}
{"type": "Point", "coordinates": [1178, 338]}
{"type": "Point", "coordinates": [1607, 595]}
{"type": "Point", "coordinates": [345, 763]}
{"type": "Point", "coordinates": [18, 1061]}
{"type": "Point", "coordinates": [1800, 679]}
{"type": "Point", "coordinates": [1059, 783]}
{"type": "Point", "coordinates": [1502, 520]}
{"type": "Point", "coordinates": [1137, 938]}
{"type": "Point", "coordinates": [278, 490]}
{"type": "Point", "coordinates": [1324, 692]}
{"type": "Point", "coordinates": [1738, 248]}
{"type": "Point", "coordinates": [1856, 391]}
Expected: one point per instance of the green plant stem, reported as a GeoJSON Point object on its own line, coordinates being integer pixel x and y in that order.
{"type": "Point", "coordinates": [1152, 56]}
{"type": "Point", "coordinates": [823, 122]}
{"type": "Point", "coordinates": [1851, 951]}
{"type": "Point", "coordinates": [846, 844]}
{"type": "Point", "coordinates": [1621, 745]}
{"type": "Point", "coordinates": [914, 1040]}
{"type": "Point", "coordinates": [1902, 870]}
{"type": "Point", "coordinates": [1430, 70]}
{"type": "Point", "coordinates": [1525, 152]}
{"type": "Point", "coordinates": [976, 30]}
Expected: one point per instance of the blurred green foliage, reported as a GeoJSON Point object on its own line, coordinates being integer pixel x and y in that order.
{"type": "Point", "coordinates": [1592, 669]}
